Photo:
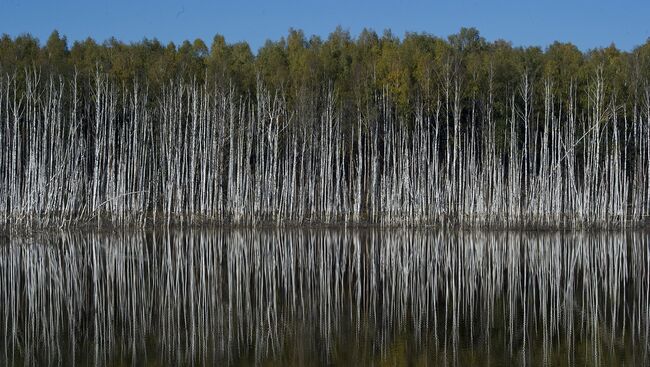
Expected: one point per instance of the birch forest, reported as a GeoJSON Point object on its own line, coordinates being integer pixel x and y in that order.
{"type": "Point", "coordinates": [372, 129]}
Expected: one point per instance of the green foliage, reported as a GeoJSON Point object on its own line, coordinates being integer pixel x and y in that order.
{"type": "Point", "coordinates": [412, 70]}
{"type": "Point", "coordinates": [55, 53]}
{"type": "Point", "coordinates": [563, 66]}
{"type": "Point", "coordinates": [273, 65]}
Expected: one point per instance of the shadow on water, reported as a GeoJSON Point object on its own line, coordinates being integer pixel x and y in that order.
{"type": "Point", "coordinates": [325, 296]}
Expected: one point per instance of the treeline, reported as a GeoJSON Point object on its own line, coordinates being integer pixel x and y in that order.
{"type": "Point", "coordinates": [415, 68]}
{"type": "Point", "coordinates": [373, 129]}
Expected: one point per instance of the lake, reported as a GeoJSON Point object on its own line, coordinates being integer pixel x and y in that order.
{"type": "Point", "coordinates": [324, 296]}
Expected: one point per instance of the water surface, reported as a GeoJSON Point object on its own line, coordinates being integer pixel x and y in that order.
{"type": "Point", "coordinates": [325, 297]}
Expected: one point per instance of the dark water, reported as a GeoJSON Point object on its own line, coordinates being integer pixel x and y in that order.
{"type": "Point", "coordinates": [325, 296]}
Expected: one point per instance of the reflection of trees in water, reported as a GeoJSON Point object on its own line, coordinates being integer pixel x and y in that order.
{"type": "Point", "coordinates": [341, 296]}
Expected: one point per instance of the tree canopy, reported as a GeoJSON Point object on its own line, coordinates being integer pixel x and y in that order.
{"type": "Point", "coordinates": [417, 68]}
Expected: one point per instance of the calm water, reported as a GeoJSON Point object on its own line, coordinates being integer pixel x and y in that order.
{"type": "Point", "coordinates": [325, 296]}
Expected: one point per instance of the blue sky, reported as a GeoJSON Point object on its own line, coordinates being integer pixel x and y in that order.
{"type": "Point", "coordinates": [587, 24]}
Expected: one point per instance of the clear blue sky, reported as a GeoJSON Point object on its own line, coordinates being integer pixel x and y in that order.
{"type": "Point", "coordinates": [587, 24]}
